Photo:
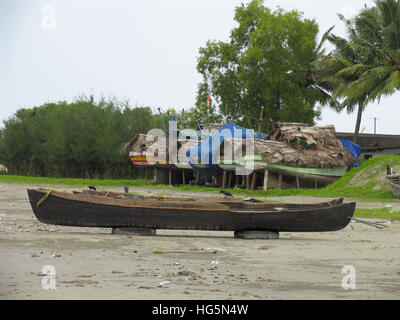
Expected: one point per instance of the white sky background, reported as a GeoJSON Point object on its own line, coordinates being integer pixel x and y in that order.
{"type": "Point", "coordinates": [141, 50]}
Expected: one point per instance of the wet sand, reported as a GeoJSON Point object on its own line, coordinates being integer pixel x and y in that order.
{"type": "Point", "coordinates": [92, 263]}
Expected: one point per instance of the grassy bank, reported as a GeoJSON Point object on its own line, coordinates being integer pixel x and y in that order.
{"type": "Point", "coordinates": [366, 182]}
{"type": "Point", "coordinates": [383, 213]}
{"type": "Point", "coordinates": [73, 182]}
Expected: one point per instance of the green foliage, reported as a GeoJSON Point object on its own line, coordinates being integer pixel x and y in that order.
{"type": "Point", "coordinates": [79, 139]}
{"type": "Point", "coordinates": [73, 182]}
{"type": "Point", "coordinates": [366, 65]}
{"type": "Point", "coordinates": [381, 213]}
{"type": "Point", "coordinates": [267, 62]}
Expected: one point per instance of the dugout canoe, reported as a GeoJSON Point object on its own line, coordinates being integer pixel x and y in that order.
{"type": "Point", "coordinates": [81, 210]}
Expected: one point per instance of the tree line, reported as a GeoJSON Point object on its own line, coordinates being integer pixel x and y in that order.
{"type": "Point", "coordinates": [83, 138]}
{"type": "Point", "coordinates": [79, 139]}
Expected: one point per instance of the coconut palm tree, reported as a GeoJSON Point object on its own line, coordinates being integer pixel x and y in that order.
{"type": "Point", "coordinates": [342, 68]}
{"type": "Point", "coordinates": [367, 65]}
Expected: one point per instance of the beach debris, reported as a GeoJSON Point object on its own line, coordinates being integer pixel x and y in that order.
{"type": "Point", "coordinates": [252, 200]}
{"type": "Point", "coordinates": [92, 188]}
{"type": "Point", "coordinates": [372, 224]}
{"type": "Point", "coordinates": [191, 251]}
{"type": "Point", "coordinates": [164, 282]}
{"type": "Point", "coordinates": [81, 282]}
{"type": "Point", "coordinates": [185, 273]}
{"type": "Point", "coordinates": [212, 250]}
{"type": "Point", "coordinates": [55, 256]}
{"type": "Point", "coordinates": [35, 255]}
{"type": "Point", "coordinates": [159, 252]}
{"type": "Point", "coordinates": [176, 263]}
{"type": "Point", "coordinates": [215, 262]}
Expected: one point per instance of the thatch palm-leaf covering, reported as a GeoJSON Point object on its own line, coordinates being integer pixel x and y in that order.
{"type": "Point", "coordinates": [300, 145]}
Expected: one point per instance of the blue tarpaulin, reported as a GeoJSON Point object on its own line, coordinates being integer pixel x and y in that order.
{"type": "Point", "coordinates": [206, 149]}
{"type": "Point", "coordinates": [353, 148]}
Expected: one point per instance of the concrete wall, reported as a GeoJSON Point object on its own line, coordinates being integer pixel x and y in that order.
{"type": "Point", "coordinates": [377, 153]}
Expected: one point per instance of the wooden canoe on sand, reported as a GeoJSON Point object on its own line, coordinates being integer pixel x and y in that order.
{"type": "Point", "coordinates": [85, 210]}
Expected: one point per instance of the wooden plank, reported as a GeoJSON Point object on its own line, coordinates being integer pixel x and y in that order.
{"type": "Point", "coordinates": [248, 182]}
{"type": "Point", "coordinates": [170, 176]}
{"type": "Point", "coordinates": [183, 176]}
{"type": "Point", "coordinates": [230, 179]}
{"type": "Point", "coordinates": [280, 181]}
{"type": "Point", "coordinates": [266, 174]}
{"type": "Point", "coordinates": [224, 180]}
{"type": "Point", "coordinates": [253, 181]}
{"type": "Point", "coordinates": [298, 182]}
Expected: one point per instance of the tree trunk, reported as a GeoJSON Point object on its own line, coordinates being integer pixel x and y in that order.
{"type": "Point", "coordinates": [358, 123]}
{"type": "Point", "coordinates": [224, 179]}
{"type": "Point", "coordinates": [249, 124]}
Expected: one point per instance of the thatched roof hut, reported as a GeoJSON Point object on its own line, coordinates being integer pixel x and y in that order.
{"type": "Point", "coordinates": [299, 145]}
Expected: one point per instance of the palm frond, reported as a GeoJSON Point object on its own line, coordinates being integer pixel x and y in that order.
{"type": "Point", "coordinates": [354, 71]}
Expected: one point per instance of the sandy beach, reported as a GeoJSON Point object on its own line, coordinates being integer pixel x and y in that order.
{"type": "Point", "coordinates": [92, 263]}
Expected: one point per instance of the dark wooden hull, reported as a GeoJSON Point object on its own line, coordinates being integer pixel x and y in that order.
{"type": "Point", "coordinates": [95, 211]}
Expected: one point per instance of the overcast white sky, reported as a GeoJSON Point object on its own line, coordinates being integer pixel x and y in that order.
{"type": "Point", "coordinates": [142, 50]}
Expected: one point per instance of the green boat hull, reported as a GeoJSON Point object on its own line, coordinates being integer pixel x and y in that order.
{"type": "Point", "coordinates": [323, 176]}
